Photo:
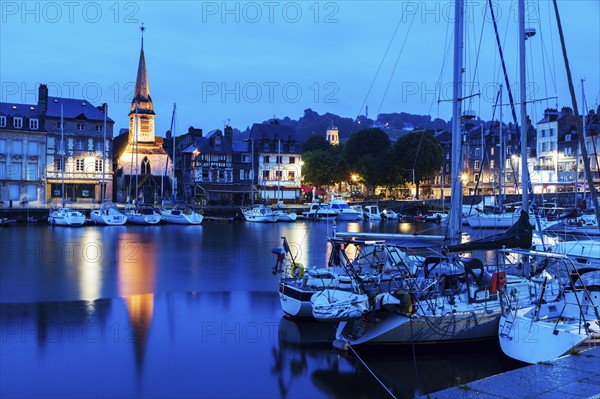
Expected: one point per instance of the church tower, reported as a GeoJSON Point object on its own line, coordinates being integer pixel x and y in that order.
{"type": "Point", "coordinates": [333, 136]}
{"type": "Point", "coordinates": [141, 113]}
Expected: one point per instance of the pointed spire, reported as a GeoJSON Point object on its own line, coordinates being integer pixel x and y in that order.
{"type": "Point", "coordinates": [141, 94]}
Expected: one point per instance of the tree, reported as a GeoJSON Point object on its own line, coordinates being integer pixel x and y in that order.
{"type": "Point", "coordinates": [367, 153]}
{"type": "Point", "coordinates": [324, 168]}
{"type": "Point", "coordinates": [419, 152]}
{"type": "Point", "coordinates": [315, 142]}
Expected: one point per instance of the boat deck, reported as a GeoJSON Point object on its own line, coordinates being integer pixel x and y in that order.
{"type": "Point", "coordinates": [572, 376]}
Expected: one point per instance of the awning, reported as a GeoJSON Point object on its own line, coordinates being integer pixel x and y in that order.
{"type": "Point", "coordinates": [307, 189]}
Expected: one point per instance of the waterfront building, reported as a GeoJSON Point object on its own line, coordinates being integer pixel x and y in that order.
{"type": "Point", "coordinates": [22, 154]}
{"type": "Point", "coordinates": [279, 156]}
{"type": "Point", "coordinates": [143, 168]}
{"type": "Point", "coordinates": [220, 168]}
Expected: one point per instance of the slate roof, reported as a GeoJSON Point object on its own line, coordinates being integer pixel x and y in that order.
{"type": "Point", "coordinates": [25, 110]}
{"type": "Point", "coordinates": [74, 109]}
{"type": "Point", "coordinates": [270, 131]}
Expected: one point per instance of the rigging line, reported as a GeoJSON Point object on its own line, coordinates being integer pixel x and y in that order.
{"type": "Point", "coordinates": [380, 65]}
{"type": "Point", "coordinates": [367, 367]}
{"type": "Point", "coordinates": [552, 47]}
{"type": "Point", "coordinates": [396, 64]}
{"type": "Point", "coordinates": [475, 69]}
{"type": "Point", "coordinates": [444, 59]}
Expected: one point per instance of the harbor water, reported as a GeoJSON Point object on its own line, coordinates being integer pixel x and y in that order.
{"type": "Point", "coordinates": [189, 311]}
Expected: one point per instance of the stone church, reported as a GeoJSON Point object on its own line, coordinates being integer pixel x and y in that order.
{"type": "Point", "coordinates": [143, 168]}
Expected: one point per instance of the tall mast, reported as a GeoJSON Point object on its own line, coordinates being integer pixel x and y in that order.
{"type": "Point", "coordinates": [252, 173]}
{"type": "Point", "coordinates": [103, 185]}
{"type": "Point", "coordinates": [583, 113]}
{"type": "Point", "coordinates": [501, 158]}
{"type": "Point", "coordinates": [279, 171]}
{"type": "Point", "coordinates": [524, 124]}
{"type": "Point", "coordinates": [137, 128]}
{"type": "Point", "coordinates": [62, 145]}
{"type": "Point", "coordinates": [173, 162]}
{"type": "Point", "coordinates": [456, 193]}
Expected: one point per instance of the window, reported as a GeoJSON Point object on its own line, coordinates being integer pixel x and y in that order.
{"type": "Point", "coordinates": [98, 165]}
{"type": "Point", "coordinates": [79, 144]}
{"type": "Point", "coordinates": [568, 137]}
{"type": "Point", "coordinates": [221, 174]}
{"type": "Point", "coordinates": [266, 159]}
{"type": "Point", "coordinates": [99, 128]}
{"type": "Point", "coordinates": [32, 171]}
{"type": "Point", "coordinates": [447, 167]}
{"type": "Point", "coordinates": [32, 148]}
{"type": "Point", "coordinates": [491, 164]}
{"type": "Point", "coordinates": [58, 164]}
{"type": "Point", "coordinates": [16, 170]}
{"type": "Point", "coordinates": [33, 124]}
{"type": "Point", "coordinates": [58, 125]}
{"type": "Point", "coordinates": [99, 146]}
{"type": "Point", "coordinates": [17, 122]}
{"type": "Point", "coordinates": [476, 166]}
{"type": "Point", "coordinates": [2, 121]}
{"type": "Point", "coordinates": [278, 175]}
{"type": "Point", "coordinates": [265, 174]}
{"type": "Point", "coordinates": [246, 158]}
{"type": "Point", "coordinates": [279, 159]}
{"type": "Point", "coordinates": [492, 151]}
{"type": "Point", "coordinates": [242, 174]}
{"type": "Point", "coordinates": [477, 151]}
{"type": "Point", "coordinates": [447, 156]}
{"type": "Point", "coordinates": [551, 132]}
{"type": "Point", "coordinates": [292, 159]}
{"type": "Point", "coordinates": [476, 177]}
{"type": "Point", "coordinates": [79, 165]}
{"type": "Point", "coordinates": [80, 126]}
{"type": "Point", "coordinates": [17, 147]}
{"type": "Point", "coordinates": [543, 132]}
{"type": "Point", "coordinates": [145, 166]}
{"type": "Point", "coordinates": [291, 175]}
{"type": "Point", "coordinates": [205, 174]}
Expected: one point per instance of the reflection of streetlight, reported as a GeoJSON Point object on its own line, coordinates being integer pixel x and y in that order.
{"type": "Point", "coordinates": [354, 178]}
{"type": "Point", "coordinates": [465, 178]}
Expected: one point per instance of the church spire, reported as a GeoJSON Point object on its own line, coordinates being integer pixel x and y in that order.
{"type": "Point", "coordinates": [141, 94]}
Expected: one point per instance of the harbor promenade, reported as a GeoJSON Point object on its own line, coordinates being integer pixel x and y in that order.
{"type": "Point", "coordinates": [572, 376]}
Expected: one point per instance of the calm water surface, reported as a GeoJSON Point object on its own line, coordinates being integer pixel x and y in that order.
{"type": "Point", "coordinates": [186, 311]}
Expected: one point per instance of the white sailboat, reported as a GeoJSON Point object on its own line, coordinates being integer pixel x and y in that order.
{"type": "Point", "coordinates": [178, 214]}
{"type": "Point", "coordinates": [64, 216]}
{"type": "Point", "coordinates": [260, 213]}
{"type": "Point", "coordinates": [548, 330]}
{"type": "Point", "coordinates": [108, 214]}
{"type": "Point", "coordinates": [345, 212]}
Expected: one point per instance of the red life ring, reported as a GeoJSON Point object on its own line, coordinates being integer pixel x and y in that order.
{"type": "Point", "coordinates": [497, 282]}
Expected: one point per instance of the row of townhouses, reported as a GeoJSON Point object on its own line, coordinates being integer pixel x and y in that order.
{"type": "Point", "coordinates": [492, 158]}
{"type": "Point", "coordinates": [64, 149]}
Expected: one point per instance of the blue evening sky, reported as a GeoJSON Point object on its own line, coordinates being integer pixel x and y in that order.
{"type": "Point", "coordinates": [249, 61]}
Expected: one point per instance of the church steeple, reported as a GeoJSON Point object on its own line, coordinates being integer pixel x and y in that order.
{"type": "Point", "coordinates": [142, 102]}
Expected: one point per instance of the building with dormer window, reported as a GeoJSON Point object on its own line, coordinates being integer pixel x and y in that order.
{"type": "Point", "coordinates": [279, 158]}
{"type": "Point", "coordinates": [22, 154]}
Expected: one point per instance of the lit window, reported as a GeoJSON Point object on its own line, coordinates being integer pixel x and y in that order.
{"type": "Point", "coordinates": [79, 165]}
{"type": "Point", "coordinates": [292, 160]}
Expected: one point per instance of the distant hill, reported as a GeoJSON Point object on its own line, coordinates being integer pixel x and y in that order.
{"type": "Point", "coordinates": [394, 124]}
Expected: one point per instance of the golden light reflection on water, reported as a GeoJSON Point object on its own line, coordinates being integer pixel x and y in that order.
{"type": "Point", "coordinates": [136, 264]}
{"type": "Point", "coordinates": [90, 265]}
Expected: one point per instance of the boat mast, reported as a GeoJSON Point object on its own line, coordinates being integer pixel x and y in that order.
{"type": "Point", "coordinates": [62, 145]}
{"type": "Point", "coordinates": [524, 124]}
{"type": "Point", "coordinates": [137, 127]}
{"type": "Point", "coordinates": [584, 130]}
{"type": "Point", "coordinates": [173, 160]}
{"type": "Point", "coordinates": [502, 158]}
{"type": "Point", "coordinates": [103, 185]}
{"type": "Point", "coordinates": [279, 171]}
{"type": "Point", "coordinates": [584, 153]}
{"type": "Point", "coordinates": [252, 174]}
{"type": "Point", "coordinates": [456, 193]}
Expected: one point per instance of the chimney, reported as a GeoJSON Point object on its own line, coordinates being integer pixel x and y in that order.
{"type": "Point", "coordinates": [229, 133]}
{"type": "Point", "coordinates": [42, 100]}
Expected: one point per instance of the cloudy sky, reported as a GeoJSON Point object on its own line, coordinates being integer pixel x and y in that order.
{"type": "Point", "coordinates": [249, 61]}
